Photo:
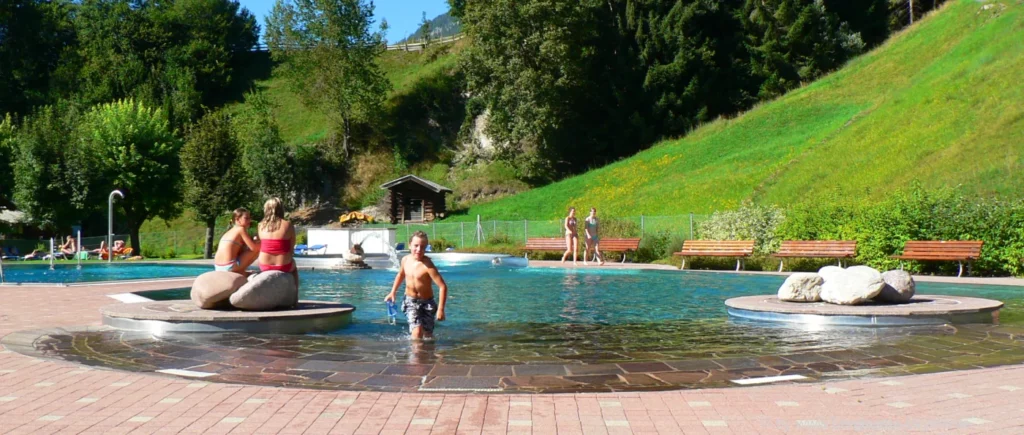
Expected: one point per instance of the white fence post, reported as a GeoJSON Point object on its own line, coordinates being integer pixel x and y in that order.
{"type": "Point", "coordinates": [526, 230]}
{"type": "Point", "coordinates": [691, 226]}
{"type": "Point", "coordinates": [462, 234]}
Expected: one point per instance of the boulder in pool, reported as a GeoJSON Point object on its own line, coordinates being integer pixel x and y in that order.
{"type": "Point", "coordinates": [266, 291]}
{"type": "Point", "coordinates": [212, 289]}
{"type": "Point", "coordinates": [801, 287]}
{"type": "Point", "coordinates": [899, 287]}
{"type": "Point", "coordinates": [852, 286]}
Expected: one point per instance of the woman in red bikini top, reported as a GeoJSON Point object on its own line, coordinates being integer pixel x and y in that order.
{"type": "Point", "coordinates": [277, 238]}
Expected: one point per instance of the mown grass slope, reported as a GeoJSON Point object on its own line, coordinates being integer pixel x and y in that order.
{"type": "Point", "coordinates": [300, 124]}
{"type": "Point", "coordinates": [941, 103]}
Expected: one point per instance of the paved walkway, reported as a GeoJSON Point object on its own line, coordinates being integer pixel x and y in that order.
{"type": "Point", "coordinates": [39, 396]}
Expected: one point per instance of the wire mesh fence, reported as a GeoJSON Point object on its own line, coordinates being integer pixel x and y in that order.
{"type": "Point", "coordinates": [174, 244]}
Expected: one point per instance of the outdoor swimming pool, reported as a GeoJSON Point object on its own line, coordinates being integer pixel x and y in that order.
{"type": "Point", "coordinates": [499, 314]}
{"type": "Point", "coordinates": [38, 272]}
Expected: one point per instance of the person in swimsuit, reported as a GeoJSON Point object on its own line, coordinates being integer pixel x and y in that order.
{"type": "Point", "coordinates": [590, 226]}
{"type": "Point", "coordinates": [237, 249]}
{"type": "Point", "coordinates": [277, 239]}
{"type": "Point", "coordinates": [572, 240]}
{"type": "Point", "coordinates": [69, 247]}
{"type": "Point", "coordinates": [420, 274]}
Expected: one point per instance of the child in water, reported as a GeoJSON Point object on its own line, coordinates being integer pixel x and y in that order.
{"type": "Point", "coordinates": [420, 274]}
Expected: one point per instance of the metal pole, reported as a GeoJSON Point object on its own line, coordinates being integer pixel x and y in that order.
{"type": "Point", "coordinates": [110, 225]}
{"type": "Point", "coordinates": [78, 251]}
{"type": "Point", "coordinates": [526, 230]}
{"type": "Point", "coordinates": [641, 225]}
{"type": "Point", "coordinates": [2, 279]}
{"type": "Point", "coordinates": [51, 253]}
{"type": "Point", "coordinates": [462, 234]}
{"type": "Point", "coordinates": [478, 230]}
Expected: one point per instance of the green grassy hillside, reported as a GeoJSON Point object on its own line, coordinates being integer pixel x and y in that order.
{"type": "Point", "coordinates": [941, 103]}
{"type": "Point", "coordinates": [300, 124]}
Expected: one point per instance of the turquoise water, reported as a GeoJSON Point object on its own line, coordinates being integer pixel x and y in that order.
{"type": "Point", "coordinates": [70, 273]}
{"type": "Point", "coordinates": [540, 314]}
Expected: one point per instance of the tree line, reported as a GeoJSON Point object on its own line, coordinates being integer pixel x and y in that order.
{"type": "Point", "coordinates": [99, 95]}
{"type": "Point", "coordinates": [574, 85]}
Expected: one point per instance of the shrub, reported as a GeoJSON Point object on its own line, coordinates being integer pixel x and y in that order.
{"type": "Point", "coordinates": [657, 245]}
{"type": "Point", "coordinates": [500, 239]}
{"type": "Point", "coordinates": [746, 223]}
{"type": "Point", "coordinates": [440, 244]}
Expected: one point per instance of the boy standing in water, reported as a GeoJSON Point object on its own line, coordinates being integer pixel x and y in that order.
{"type": "Point", "coordinates": [419, 274]}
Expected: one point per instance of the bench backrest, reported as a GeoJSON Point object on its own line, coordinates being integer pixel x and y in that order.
{"type": "Point", "coordinates": [746, 246]}
{"type": "Point", "coordinates": [545, 244]}
{"type": "Point", "coordinates": [829, 248]}
{"type": "Point", "coordinates": [629, 244]}
{"type": "Point", "coordinates": [951, 248]}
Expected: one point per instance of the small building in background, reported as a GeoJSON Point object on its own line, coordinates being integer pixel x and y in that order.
{"type": "Point", "coordinates": [414, 199]}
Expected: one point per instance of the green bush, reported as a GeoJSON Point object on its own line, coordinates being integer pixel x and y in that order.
{"type": "Point", "coordinates": [746, 223]}
{"type": "Point", "coordinates": [500, 239]}
{"type": "Point", "coordinates": [170, 253]}
{"type": "Point", "coordinates": [657, 245]}
{"type": "Point", "coordinates": [440, 244]}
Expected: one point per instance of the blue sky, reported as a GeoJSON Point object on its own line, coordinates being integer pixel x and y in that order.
{"type": "Point", "coordinates": [403, 16]}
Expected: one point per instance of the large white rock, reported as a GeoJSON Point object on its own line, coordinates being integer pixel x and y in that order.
{"type": "Point", "coordinates": [801, 287]}
{"type": "Point", "coordinates": [852, 286]}
{"type": "Point", "coordinates": [899, 287]}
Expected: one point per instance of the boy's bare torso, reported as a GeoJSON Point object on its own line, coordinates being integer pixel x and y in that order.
{"type": "Point", "coordinates": [418, 283]}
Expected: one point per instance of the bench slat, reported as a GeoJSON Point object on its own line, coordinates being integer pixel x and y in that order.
{"type": "Point", "coordinates": [941, 250]}
{"type": "Point", "coordinates": [817, 248]}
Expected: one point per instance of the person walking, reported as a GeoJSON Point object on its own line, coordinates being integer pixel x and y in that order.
{"type": "Point", "coordinates": [593, 241]}
{"type": "Point", "coordinates": [572, 239]}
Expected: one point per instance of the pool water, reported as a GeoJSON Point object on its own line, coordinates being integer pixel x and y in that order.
{"type": "Point", "coordinates": [500, 314]}
{"type": "Point", "coordinates": [70, 273]}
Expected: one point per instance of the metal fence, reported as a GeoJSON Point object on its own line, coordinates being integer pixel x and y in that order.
{"type": "Point", "coordinates": [470, 234]}
{"type": "Point", "coordinates": [172, 244]}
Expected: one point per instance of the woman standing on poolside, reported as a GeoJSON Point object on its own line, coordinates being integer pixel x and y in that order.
{"type": "Point", "coordinates": [237, 249]}
{"type": "Point", "coordinates": [572, 240]}
{"type": "Point", "coordinates": [277, 239]}
{"type": "Point", "coordinates": [590, 226]}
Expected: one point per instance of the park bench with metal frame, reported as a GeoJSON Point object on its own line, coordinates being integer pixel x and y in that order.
{"type": "Point", "coordinates": [717, 248]}
{"type": "Point", "coordinates": [838, 249]}
{"type": "Point", "coordinates": [959, 251]}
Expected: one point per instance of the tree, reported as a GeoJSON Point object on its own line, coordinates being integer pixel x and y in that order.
{"type": "Point", "coordinates": [7, 149]}
{"type": "Point", "coordinates": [34, 38]}
{"type": "Point", "coordinates": [425, 30]}
{"type": "Point", "coordinates": [265, 156]}
{"type": "Point", "coordinates": [176, 55]}
{"type": "Point", "coordinates": [795, 41]}
{"type": "Point", "coordinates": [127, 146]}
{"type": "Point", "coordinates": [50, 182]}
{"type": "Point", "coordinates": [329, 55]}
{"type": "Point", "coordinates": [558, 80]}
{"type": "Point", "coordinates": [457, 8]}
{"type": "Point", "coordinates": [212, 176]}
{"type": "Point", "coordinates": [695, 65]}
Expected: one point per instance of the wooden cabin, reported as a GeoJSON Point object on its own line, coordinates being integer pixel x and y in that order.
{"type": "Point", "coordinates": [414, 199]}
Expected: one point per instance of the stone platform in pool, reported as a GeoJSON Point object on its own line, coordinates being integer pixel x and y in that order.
{"type": "Point", "coordinates": [921, 310]}
{"type": "Point", "coordinates": [168, 317]}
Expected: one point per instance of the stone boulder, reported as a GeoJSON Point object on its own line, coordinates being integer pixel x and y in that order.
{"type": "Point", "coordinates": [899, 287]}
{"type": "Point", "coordinates": [801, 287]}
{"type": "Point", "coordinates": [852, 286]}
{"type": "Point", "coordinates": [353, 258]}
{"type": "Point", "coordinates": [212, 289]}
{"type": "Point", "coordinates": [266, 291]}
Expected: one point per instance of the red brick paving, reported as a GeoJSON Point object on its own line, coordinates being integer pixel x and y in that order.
{"type": "Point", "coordinates": [42, 396]}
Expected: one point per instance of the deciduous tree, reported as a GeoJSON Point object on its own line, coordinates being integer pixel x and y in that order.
{"type": "Point", "coordinates": [329, 54]}
{"type": "Point", "coordinates": [212, 176]}
{"type": "Point", "coordinates": [128, 146]}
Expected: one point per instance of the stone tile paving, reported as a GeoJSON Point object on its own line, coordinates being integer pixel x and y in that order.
{"type": "Point", "coordinates": [45, 396]}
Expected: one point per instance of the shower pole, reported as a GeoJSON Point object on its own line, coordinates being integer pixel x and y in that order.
{"type": "Point", "coordinates": [110, 225]}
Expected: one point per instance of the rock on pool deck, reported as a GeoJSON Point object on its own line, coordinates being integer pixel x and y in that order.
{"type": "Point", "coordinates": [168, 317]}
{"type": "Point", "coordinates": [921, 310]}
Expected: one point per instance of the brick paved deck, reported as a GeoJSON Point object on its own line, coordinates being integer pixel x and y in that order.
{"type": "Point", "coordinates": [38, 396]}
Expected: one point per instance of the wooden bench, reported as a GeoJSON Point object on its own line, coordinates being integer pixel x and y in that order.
{"type": "Point", "coordinates": [717, 248]}
{"type": "Point", "coordinates": [951, 250]}
{"type": "Point", "coordinates": [816, 249]}
{"type": "Point", "coordinates": [558, 244]}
